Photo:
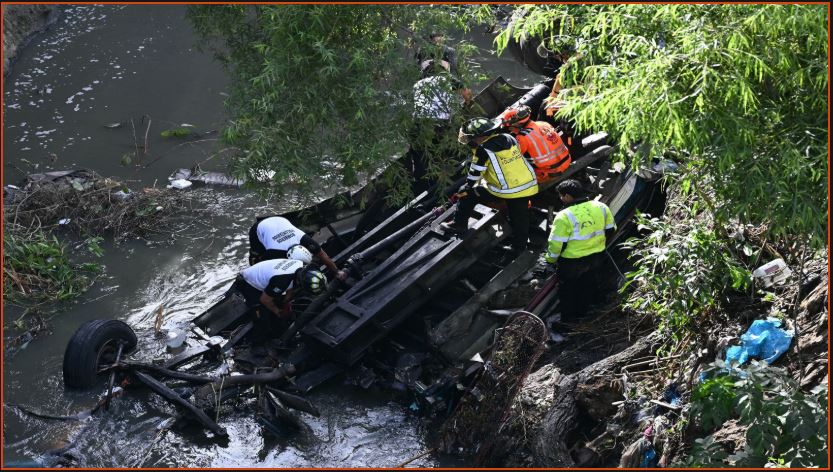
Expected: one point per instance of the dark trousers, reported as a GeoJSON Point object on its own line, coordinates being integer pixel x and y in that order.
{"type": "Point", "coordinates": [580, 284]}
{"type": "Point", "coordinates": [426, 137]}
{"type": "Point", "coordinates": [267, 325]}
{"type": "Point", "coordinates": [256, 248]}
{"type": "Point", "coordinates": [250, 294]}
{"type": "Point", "coordinates": [258, 252]}
{"type": "Point", "coordinates": [517, 211]}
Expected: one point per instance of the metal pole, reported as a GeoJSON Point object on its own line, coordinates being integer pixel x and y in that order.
{"type": "Point", "coordinates": [112, 378]}
{"type": "Point", "coordinates": [373, 250]}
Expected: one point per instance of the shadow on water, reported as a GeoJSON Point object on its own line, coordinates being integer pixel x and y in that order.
{"type": "Point", "coordinates": [107, 64]}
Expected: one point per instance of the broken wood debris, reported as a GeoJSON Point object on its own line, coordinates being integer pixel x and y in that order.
{"type": "Point", "coordinates": [173, 397]}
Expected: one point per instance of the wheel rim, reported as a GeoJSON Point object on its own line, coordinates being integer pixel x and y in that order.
{"type": "Point", "coordinates": [106, 355]}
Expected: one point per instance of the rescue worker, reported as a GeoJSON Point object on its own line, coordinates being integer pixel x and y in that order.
{"type": "Point", "coordinates": [565, 50]}
{"type": "Point", "coordinates": [437, 48]}
{"type": "Point", "coordinates": [273, 237]}
{"type": "Point", "coordinates": [577, 244]}
{"type": "Point", "coordinates": [273, 284]}
{"type": "Point", "coordinates": [539, 142]}
{"type": "Point", "coordinates": [438, 96]}
{"type": "Point", "coordinates": [498, 173]}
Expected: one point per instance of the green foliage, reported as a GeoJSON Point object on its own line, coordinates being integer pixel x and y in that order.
{"type": "Point", "coordinates": [712, 401]}
{"type": "Point", "coordinates": [322, 94]}
{"type": "Point", "coordinates": [683, 270]}
{"type": "Point", "coordinates": [785, 425]}
{"type": "Point", "coordinates": [94, 246]}
{"type": "Point", "coordinates": [705, 452]}
{"type": "Point", "coordinates": [37, 269]}
{"type": "Point", "coordinates": [737, 92]}
{"type": "Point", "coordinates": [181, 132]}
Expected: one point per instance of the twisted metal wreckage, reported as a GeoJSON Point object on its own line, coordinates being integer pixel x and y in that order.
{"type": "Point", "coordinates": [411, 312]}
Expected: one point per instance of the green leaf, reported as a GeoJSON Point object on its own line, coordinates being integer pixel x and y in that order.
{"type": "Point", "coordinates": [179, 132]}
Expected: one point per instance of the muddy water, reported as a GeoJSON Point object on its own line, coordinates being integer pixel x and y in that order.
{"type": "Point", "coordinates": [102, 65]}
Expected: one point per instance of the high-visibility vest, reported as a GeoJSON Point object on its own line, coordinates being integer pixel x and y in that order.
{"type": "Point", "coordinates": [548, 153]}
{"type": "Point", "coordinates": [582, 228]}
{"type": "Point", "coordinates": [508, 174]}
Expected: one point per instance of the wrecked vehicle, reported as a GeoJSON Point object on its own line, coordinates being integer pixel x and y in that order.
{"type": "Point", "coordinates": [410, 315]}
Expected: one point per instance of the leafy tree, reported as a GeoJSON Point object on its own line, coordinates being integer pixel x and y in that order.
{"type": "Point", "coordinates": [322, 94]}
{"type": "Point", "coordinates": [736, 92]}
{"type": "Point", "coordinates": [738, 95]}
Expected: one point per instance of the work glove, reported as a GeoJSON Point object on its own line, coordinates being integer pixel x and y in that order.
{"type": "Point", "coordinates": [543, 269]}
{"type": "Point", "coordinates": [462, 193]}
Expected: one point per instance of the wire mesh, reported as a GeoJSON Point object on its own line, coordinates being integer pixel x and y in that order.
{"type": "Point", "coordinates": [473, 427]}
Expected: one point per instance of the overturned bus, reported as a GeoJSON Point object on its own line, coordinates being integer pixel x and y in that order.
{"type": "Point", "coordinates": [411, 311]}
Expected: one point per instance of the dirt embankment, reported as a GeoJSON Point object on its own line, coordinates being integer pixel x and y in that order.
{"type": "Point", "coordinates": [20, 24]}
{"type": "Point", "coordinates": [601, 403]}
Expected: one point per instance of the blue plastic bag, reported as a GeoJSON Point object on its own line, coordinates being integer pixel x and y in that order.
{"type": "Point", "coordinates": [764, 340]}
{"type": "Point", "coordinates": [649, 459]}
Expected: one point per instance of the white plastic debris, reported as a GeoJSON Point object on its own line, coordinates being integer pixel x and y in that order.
{"type": "Point", "coordinates": [175, 339]}
{"type": "Point", "coordinates": [665, 166]}
{"type": "Point", "coordinates": [64, 221]}
{"type": "Point", "coordinates": [557, 338]}
{"type": "Point", "coordinates": [180, 184]}
{"type": "Point", "coordinates": [122, 195]}
{"type": "Point", "coordinates": [772, 272]}
{"type": "Point", "coordinates": [477, 358]}
{"type": "Point", "coordinates": [165, 424]}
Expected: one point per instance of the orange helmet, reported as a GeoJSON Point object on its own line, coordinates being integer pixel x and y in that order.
{"type": "Point", "coordinates": [517, 117]}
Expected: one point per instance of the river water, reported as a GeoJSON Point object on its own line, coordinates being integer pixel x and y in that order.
{"type": "Point", "coordinates": [105, 65]}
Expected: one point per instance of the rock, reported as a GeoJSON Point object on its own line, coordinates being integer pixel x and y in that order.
{"type": "Point", "coordinates": [816, 298]}
{"type": "Point", "coordinates": [731, 435]}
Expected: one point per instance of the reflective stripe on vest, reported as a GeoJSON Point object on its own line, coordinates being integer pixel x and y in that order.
{"type": "Point", "coordinates": [509, 175]}
{"type": "Point", "coordinates": [578, 244]}
{"type": "Point", "coordinates": [545, 151]}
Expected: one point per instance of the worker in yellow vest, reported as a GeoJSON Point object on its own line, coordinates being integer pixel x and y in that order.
{"type": "Point", "coordinates": [498, 172]}
{"type": "Point", "coordinates": [577, 244]}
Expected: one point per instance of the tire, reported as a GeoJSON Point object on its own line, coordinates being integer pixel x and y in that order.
{"type": "Point", "coordinates": [533, 61]}
{"type": "Point", "coordinates": [95, 342]}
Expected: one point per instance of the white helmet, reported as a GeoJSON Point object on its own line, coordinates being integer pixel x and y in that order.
{"type": "Point", "coordinates": [299, 253]}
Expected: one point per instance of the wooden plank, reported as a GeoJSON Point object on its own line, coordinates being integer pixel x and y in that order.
{"type": "Point", "coordinates": [223, 314]}
{"type": "Point", "coordinates": [239, 333]}
{"type": "Point", "coordinates": [666, 405]}
{"type": "Point", "coordinates": [457, 323]}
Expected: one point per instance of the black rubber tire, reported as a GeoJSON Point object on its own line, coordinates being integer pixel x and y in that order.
{"type": "Point", "coordinates": [533, 61]}
{"type": "Point", "coordinates": [95, 342]}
